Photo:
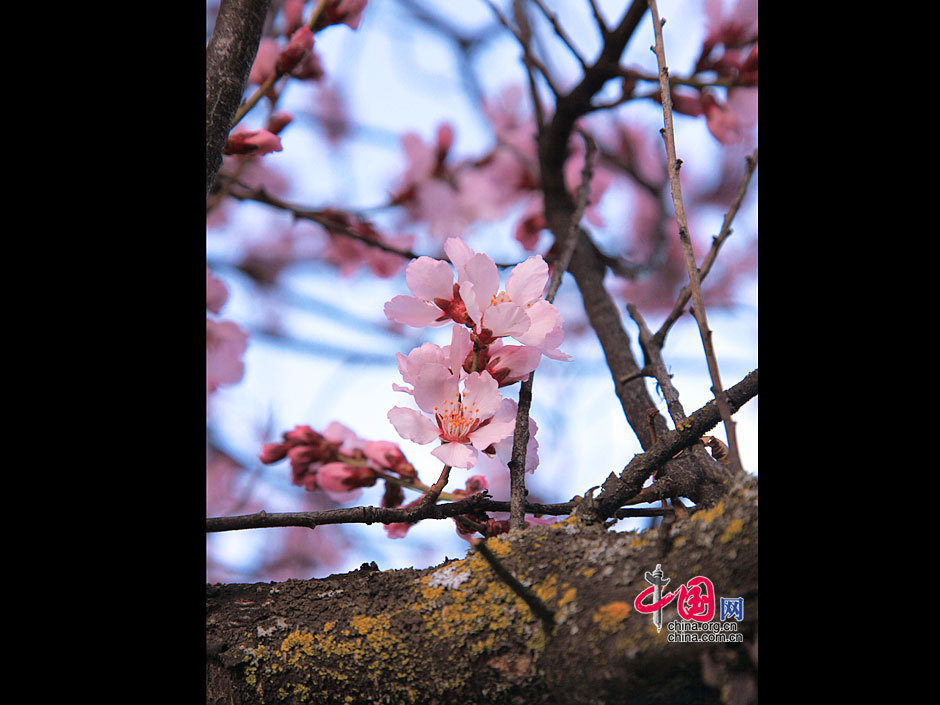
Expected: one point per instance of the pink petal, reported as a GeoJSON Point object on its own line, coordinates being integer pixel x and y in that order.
{"type": "Point", "coordinates": [434, 385]}
{"type": "Point", "coordinates": [519, 360]}
{"type": "Point", "coordinates": [482, 272]}
{"type": "Point", "coordinates": [457, 455]}
{"type": "Point", "coordinates": [459, 253]}
{"type": "Point", "coordinates": [544, 318]}
{"type": "Point", "coordinates": [481, 393]}
{"type": "Point", "coordinates": [506, 319]}
{"type": "Point", "coordinates": [331, 475]}
{"type": "Point", "coordinates": [527, 281]}
{"type": "Point", "coordinates": [430, 279]}
{"type": "Point", "coordinates": [412, 364]}
{"type": "Point", "coordinates": [413, 312]}
{"type": "Point", "coordinates": [501, 426]}
{"type": "Point", "coordinates": [413, 425]}
{"type": "Point", "coordinates": [474, 308]}
{"type": "Point", "coordinates": [460, 347]}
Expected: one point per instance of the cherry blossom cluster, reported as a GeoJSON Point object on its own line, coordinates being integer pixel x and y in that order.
{"type": "Point", "coordinates": [338, 461]}
{"type": "Point", "coordinates": [456, 387]}
{"type": "Point", "coordinates": [450, 195]}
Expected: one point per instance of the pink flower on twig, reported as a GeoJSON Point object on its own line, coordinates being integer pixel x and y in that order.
{"type": "Point", "coordinates": [464, 415]}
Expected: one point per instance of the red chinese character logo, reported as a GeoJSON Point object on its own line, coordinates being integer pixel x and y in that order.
{"type": "Point", "coordinates": [696, 603]}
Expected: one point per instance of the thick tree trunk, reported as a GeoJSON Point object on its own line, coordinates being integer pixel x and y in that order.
{"type": "Point", "coordinates": [458, 633]}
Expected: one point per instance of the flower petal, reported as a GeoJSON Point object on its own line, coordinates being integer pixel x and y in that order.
{"type": "Point", "coordinates": [481, 271]}
{"type": "Point", "coordinates": [527, 281]}
{"type": "Point", "coordinates": [481, 394]}
{"type": "Point", "coordinates": [413, 312]}
{"type": "Point", "coordinates": [413, 425]}
{"type": "Point", "coordinates": [430, 279]}
{"type": "Point", "coordinates": [459, 253]}
{"type": "Point", "coordinates": [500, 427]}
{"type": "Point", "coordinates": [544, 318]}
{"type": "Point", "coordinates": [506, 319]}
{"type": "Point", "coordinates": [433, 386]}
{"type": "Point", "coordinates": [457, 455]}
{"type": "Point", "coordinates": [460, 347]}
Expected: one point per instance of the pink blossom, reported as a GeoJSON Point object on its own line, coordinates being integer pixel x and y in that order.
{"type": "Point", "coordinates": [463, 420]}
{"type": "Point", "coordinates": [332, 113]}
{"type": "Point", "coordinates": [348, 12]}
{"type": "Point", "coordinates": [278, 121]}
{"type": "Point", "coordinates": [216, 293]}
{"type": "Point", "coordinates": [293, 15]}
{"type": "Point", "coordinates": [733, 28]}
{"type": "Point", "coordinates": [350, 254]}
{"type": "Point", "coordinates": [508, 364]}
{"type": "Point", "coordinates": [301, 43]}
{"type": "Point", "coordinates": [343, 481]}
{"type": "Point", "coordinates": [531, 224]}
{"type": "Point", "coordinates": [436, 297]}
{"type": "Point", "coordinates": [721, 120]}
{"type": "Point", "coordinates": [254, 142]}
{"type": "Point", "coordinates": [225, 343]}
{"type": "Point", "coordinates": [384, 455]}
{"type": "Point", "coordinates": [475, 300]}
{"type": "Point", "coordinates": [452, 357]}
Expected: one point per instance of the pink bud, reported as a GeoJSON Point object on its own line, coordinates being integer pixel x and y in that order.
{"type": "Point", "coordinates": [348, 12]}
{"type": "Point", "coordinates": [272, 452]}
{"type": "Point", "coordinates": [278, 121]}
{"type": "Point", "coordinates": [300, 43]}
{"type": "Point", "coordinates": [254, 142]}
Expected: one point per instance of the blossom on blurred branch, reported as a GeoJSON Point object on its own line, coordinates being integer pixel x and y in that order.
{"type": "Point", "coordinates": [225, 341]}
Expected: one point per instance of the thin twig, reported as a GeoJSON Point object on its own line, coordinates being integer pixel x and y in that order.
{"type": "Point", "coordinates": [434, 492]}
{"type": "Point", "coordinates": [583, 193]}
{"type": "Point", "coordinates": [657, 368]}
{"type": "Point", "coordinates": [562, 34]}
{"type": "Point", "coordinates": [673, 165]}
{"type": "Point", "coordinates": [528, 56]}
{"type": "Point", "coordinates": [539, 609]}
{"type": "Point", "coordinates": [517, 491]}
{"type": "Point", "coordinates": [245, 107]}
{"type": "Point", "coordinates": [717, 241]}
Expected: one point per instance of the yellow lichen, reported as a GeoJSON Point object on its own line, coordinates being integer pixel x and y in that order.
{"type": "Point", "coordinates": [568, 597]}
{"type": "Point", "coordinates": [733, 529]}
{"type": "Point", "coordinates": [548, 590]}
{"type": "Point", "coordinates": [709, 514]}
{"type": "Point", "coordinates": [300, 643]}
{"type": "Point", "coordinates": [608, 617]}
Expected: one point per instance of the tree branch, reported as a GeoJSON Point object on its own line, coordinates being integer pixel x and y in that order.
{"type": "Point", "coordinates": [617, 490]}
{"type": "Point", "coordinates": [673, 164]}
{"type": "Point", "coordinates": [229, 56]}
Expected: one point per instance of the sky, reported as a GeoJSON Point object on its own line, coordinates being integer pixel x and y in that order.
{"type": "Point", "coordinates": [398, 77]}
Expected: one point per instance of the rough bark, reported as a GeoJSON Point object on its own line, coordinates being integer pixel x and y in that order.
{"type": "Point", "coordinates": [457, 633]}
{"type": "Point", "coordinates": [229, 56]}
